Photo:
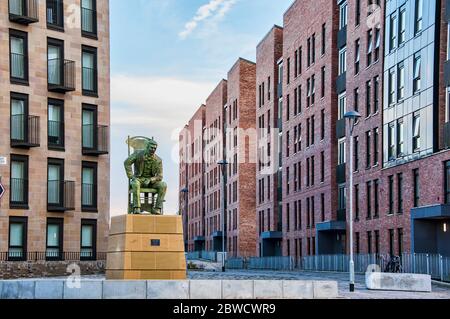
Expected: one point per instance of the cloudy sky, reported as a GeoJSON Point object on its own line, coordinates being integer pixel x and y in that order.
{"type": "Point", "coordinates": [166, 57]}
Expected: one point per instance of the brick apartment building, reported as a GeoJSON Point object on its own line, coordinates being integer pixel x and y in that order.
{"type": "Point", "coordinates": [55, 116]}
{"type": "Point", "coordinates": [269, 52]}
{"type": "Point", "coordinates": [388, 60]}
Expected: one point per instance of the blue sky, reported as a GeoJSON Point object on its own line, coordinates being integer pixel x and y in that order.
{"type": "Point", "coordinates": [166, 57]}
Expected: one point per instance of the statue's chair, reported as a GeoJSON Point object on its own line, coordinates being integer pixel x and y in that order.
{"type": "Point", "coordinates": [147, 195]}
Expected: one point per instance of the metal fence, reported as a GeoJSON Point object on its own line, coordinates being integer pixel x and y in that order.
{"type": "Point", "coordinates": [235, 263]}
{"type": "Point", "coordinates": [206, 255]}
{"type": "Point", "coordinates": [271, 263]}
{"type": "Point", "coordinates": [16, 256]}
{"type": "Point", "coordinates": [437, 266]}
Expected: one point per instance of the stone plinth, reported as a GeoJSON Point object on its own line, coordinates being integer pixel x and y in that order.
{"type": "Point", "coordinates": [398, 282]}
{"type": "Point", "coordinates": [145, 247]}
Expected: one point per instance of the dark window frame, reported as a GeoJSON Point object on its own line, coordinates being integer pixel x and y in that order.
{"type": "Point", "coordinates": [20, 205]}
{"type": "Point", "coordinates": [56, 43]}
{"type": "Point", "coordinates": [94, 51]}
{"type": "Point", "coordinates": [92, 108]}
{"type": "Point", "coordinates": [60, 247]}
{"type": "Point", "coordinates": [53, 146]}
{"type": "Point", "coordinates": [94, 33]}
{"type": "Point", "coordinates": [93, 208]}
{"type": "Point", "coordinates": [24, 222]}
{"type": "Point", "coordinates": [60, 12]}
{"type": "Point", "coordinates": [93, 223]}
{"type": "Point", "coordinates": [23, 35]}
{"type": "Point", "coordinates": [26, 99]}
{"type": "Point", "coordinates": [60, 206]}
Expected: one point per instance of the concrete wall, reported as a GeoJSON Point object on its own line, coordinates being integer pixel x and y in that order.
{"type": "Point", "coordinates": [196, 289]}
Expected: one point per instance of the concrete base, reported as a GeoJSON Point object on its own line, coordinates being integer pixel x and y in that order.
{"type": "Point", "coordinates": [145, 247]}
{"type": "Point", "coordinates": [398, 282]}
{"type": "Point", "coordinates": [183, 289]}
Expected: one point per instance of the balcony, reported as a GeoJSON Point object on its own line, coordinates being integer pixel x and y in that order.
{"type": "Point", "coordinates": [61, 75]}
{"type": "Point", "coordinates": [340, 128]}
{"type": "Point", "coordinates": [25, 131]}
{"type": "Point", "coordinates": [95, 140]}
{"type": "Point", "coordinates": [60, 196]}
{"type": "Point", "coordinates": [446, 135]}
{"type": "Point", "coordinates": [24, 11]}
{"type": "Point", "coordinates": [341, 174]}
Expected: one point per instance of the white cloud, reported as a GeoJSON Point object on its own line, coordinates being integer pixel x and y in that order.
{"type": "Point", "coordinates": [215, 10]}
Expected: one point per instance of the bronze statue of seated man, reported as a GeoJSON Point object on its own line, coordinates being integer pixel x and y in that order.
{"type": "Point", "coordinates": [148, 173]}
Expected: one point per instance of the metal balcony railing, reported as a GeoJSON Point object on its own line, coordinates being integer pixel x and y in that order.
{"type": "Point", "coordinates": [61, 75]}
{"type": "Point", "coordinates": [24, 11]}
{"type": "Point", "coordinates": [22, 255]}
{"type": "Point", "coordinates": [56, 133]}
{"type": "Point", "coordinates": [60, 196]}
{"type": "Point", "coordinates": [25, 131]}
{"type": "Point", "coordinates": [95, 139]}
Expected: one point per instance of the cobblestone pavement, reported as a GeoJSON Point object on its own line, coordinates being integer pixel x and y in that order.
{"type": "Point", "coordinates": [439, 292]}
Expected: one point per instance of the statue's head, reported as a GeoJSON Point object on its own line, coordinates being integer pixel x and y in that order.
{"type": "Point", "coordinates": [151, 147]}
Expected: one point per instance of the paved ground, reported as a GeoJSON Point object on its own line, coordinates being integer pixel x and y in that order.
{"type": "Point", "coordinates": [361, 292]}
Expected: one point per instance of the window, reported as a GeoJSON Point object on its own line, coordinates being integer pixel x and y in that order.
{"type": "Point", "coordinates": [402, 26]}
{"type": "Point", "coordinates": [89, 17]}
{"type": "Point", "coordinates": [89, 127]}
{"type": "Point", "coordinates": [313, 89]}
{"type": "Point", "coordinates": [343, 15]}
{"type": "Point", "coordinates": [391, 242]}
{"type": "Point", "coordinates": [55, 124]}
{"type": "Point", "coordinates": [17, 247]}
{"type": "Point", "coordinates": [356, 202]}
{"type": "Point", "coordinates": [313, 48]}
{"type": "Point", "coordinates": [418, 19]}
{"type": "Point", "coordinates": [400, 138]}
{"type": "Point", "coordinates": [358, 12]}
{"type": "Point", "coordinates": [322, 126]}
{"type": "Point", "coordinates": [393, 32]}
{"type": "Point", "coordinates": [19, 182]}
{"type": "Point", "coordinates": [400, 81]}
{"type": "Point", "coordinates": [369, 47]}
{"type": "Point", "coordinates": [377, 198]}
{"type": "Point", "coordinates": [356, 153]}
{"type": "Point", "coordinates": [55, 58]}
{"type": "Point", "coordinates": [342, 105]}
{"type": "Point", "coordinates": [376, 94]}
{"type": "Point", "coordinates": [400, 193]}
{"type": "Point", "coordinates": [416, 132]}
{"type": "Point", "coordinates": [323, 84]}
{"type": "Point", "coordinates": [391, 141]}
{"type": "Point", "coordinates": [88, 241]}
{"type": "Point", "coordinates": [368, 148]}
{"type": "Point", "coordinates": [342, 61]}
{"type": "Point", "coordinates": [55, 14]}
{"type": "Point", "coordinates": [400, 241]}
{"type": "Point", "coordinates": [89, 187]}
{"type": "Point", "coordinates": [19, 117]}
{"type": "Point", "coordinates": [309, 52]}
{"type": "Point", "coordinates": [391, 87]}
{"type": "Point", "coordinates": [416, 184]}
{"type": "Point", "coordinates": [55, 188]}
{"type": "Point", "coordinates": [89, 66]}
{"type": "Point", "coordinates": [341, 151]}
{"type": "Point", "coordinates": [322, 167]}
{"type": "Point", "coordinates": [376, 153]}
{"type": "Point", "coordinates": [357, 56]}
{"type": "Point", "coordinates": [55, 233]}
{"type": "Point", "coordinates": [369, 199]}
{"type": "Point", "coordinates": [356, 99]}
{"type": "Point", "coordinates": [377, 242]}
{"type": "Point", "coordinates": [369, 242]}
{"type": "Point", "coordinates": [391, 195]}
{"type": "Point", "coordinates": [368, 98]}
{"type": "Point", "coordinates": [417, 76]}
{"type": "Point", "coordinates": [324, 38]}
{"type": "Point", "coordinates": [342, 198]}
{"type": "Point", "coordinates": [18, 42]}
{"type": "Point", "coordinates": [447, 182]}
{"type": "Point", "coordinates": [377, 44]}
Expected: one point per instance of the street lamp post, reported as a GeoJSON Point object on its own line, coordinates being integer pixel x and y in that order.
{"type": "Point", "coordinates": [352, 116]}
{"type": "Point", "coordinates": [185, 192]}
{"type": "Point", "coordinates": [223, 164]}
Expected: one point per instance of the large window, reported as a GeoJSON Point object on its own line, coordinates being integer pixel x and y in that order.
{"type": "Point", "coordinates": [19, 182]}
{"type": "Point", "coordinates": [391, 141]}
{"type": "Point", "coordinates": [343, 60]}
{"type": "Point", "coordinates": [343, 15]}
{"type": "Point", "coordinates": [55, 124]}
{"type": "Point", "coordinates": [55, 233]}
{"type": "Point", "coordinates": [369, 47]}
{"type": "Point", "coordinates": [418, 17]}
{"type": "Point", "coordinates": [17, 247]}
{"type": "Point", "coordinates": [18, 42]}
{"type": "Point", "coordinates": [416, 132]}
{"type": "Point", "coordinates": [417, 73]}
{"type": "Point", "coordinates": [89, 123]}
{"type": "Point", "coordinates": [341, 151]}
{"type": "Point", "coordinates": [89, 61]}
{"type": "Point", "coordinates": [55, 181]}
{"type": "Point", "coordinates": [416, 185]}
{"type": "Point", "coordinates": [55, 58]}
{"type": "Point", "coordinates": [391, 87]}
{"type": "Point", "coordinates": [402, 26]}
{"type": "Point", "coordinates": [393, 32]}
{"type": "Point", "coordinates": [447, 182]}
{"type": "Point", "coordinates": [342, 105]}
{"type": "Point", "coordinates": [400, 138]}
{"type": "Point", "coordinates": [89, 186]}
{"type": "Point", "coordinates": [88, 239]}
{"type": "Point", "coordinates": [55, 14]}
{"type": "Point", "coordinates": [19, 117]}
{"type": "Point", "coordinates": [357, 56]}
{"type": "Point", "coordinates": [89, 17]}
{"type": "Point", "coordinates": [391, 195]}
{"type": "Point", "coordinates": [400, 81]}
